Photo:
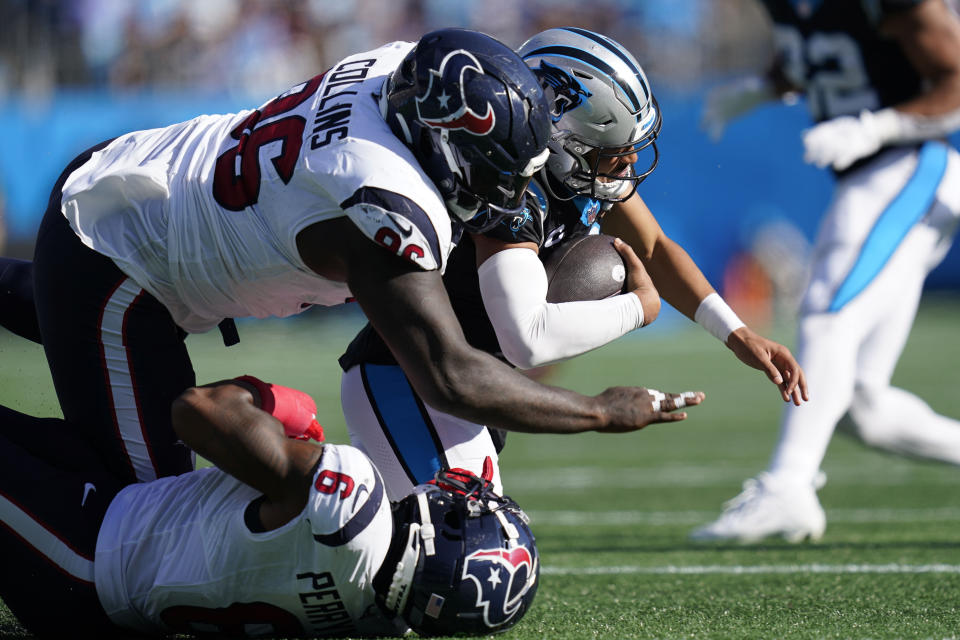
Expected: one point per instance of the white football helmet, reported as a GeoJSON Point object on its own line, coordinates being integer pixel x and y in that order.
{"type": "Point", "coordinates": [600, 101]}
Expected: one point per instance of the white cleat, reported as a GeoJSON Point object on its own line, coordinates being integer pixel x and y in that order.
{"type": "Point", "coordinates": [769, 507]}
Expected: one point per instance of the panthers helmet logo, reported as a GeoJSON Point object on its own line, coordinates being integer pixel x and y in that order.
{"type": "Point", "coordinates": [450, 110]}
{"type": "Point", "coordinates": [502, 578]}
{"type": "Point", "coordinates": [568, 92]}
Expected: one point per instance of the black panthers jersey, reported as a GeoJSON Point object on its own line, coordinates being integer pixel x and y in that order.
{"type": "Point", "coordinates": [834, 51]}
{"type": "Point", "coordinates": [545, 221]}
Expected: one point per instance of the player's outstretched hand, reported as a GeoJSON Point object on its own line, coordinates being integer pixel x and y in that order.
{"type": "Point", "coordinates": [633, 408]}
{"type": "Point", "coordinates": [639, 281]}
{"type": "Point", "coordinates": [772, 358]}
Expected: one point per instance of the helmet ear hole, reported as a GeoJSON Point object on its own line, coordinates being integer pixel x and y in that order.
{"type": "Point", "coordinates": [452, 520]}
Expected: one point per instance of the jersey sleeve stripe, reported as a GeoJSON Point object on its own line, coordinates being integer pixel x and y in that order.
{"type": "Point", "coordinates": [360, 520]}
{"type": "Point", "coordinates": [400, 205]}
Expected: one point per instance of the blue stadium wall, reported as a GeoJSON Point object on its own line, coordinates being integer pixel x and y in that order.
{"type": "Point", "coordinates": [707, 196]}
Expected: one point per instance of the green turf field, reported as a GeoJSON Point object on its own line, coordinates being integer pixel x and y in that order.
{"type": "Point", "coordinates": [611, 512]}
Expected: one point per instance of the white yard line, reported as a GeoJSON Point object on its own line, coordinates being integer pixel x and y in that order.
{"type": "Point", "coordinates": [754, 569]}
{"type": "Point", "coordinates": [671, 476]}
{"type": "Point", "coordinates": [571, 518]}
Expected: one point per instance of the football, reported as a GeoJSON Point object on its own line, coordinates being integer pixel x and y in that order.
{"type": "Point", "coordinates": [584, 268]}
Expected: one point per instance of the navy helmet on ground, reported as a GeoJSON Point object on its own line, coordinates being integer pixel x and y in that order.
{"type": "Point", "coordinates": [476, 119]}
{"type": "Point", "coordinates": [465, 562]}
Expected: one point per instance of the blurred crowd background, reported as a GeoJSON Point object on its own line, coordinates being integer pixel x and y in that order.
{"type": "Point", "coordinates": [76, 72]}
{"type": "Point", "coordinates": [252, 46]}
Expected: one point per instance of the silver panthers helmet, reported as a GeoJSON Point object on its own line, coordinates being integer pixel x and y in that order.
{"type": "Point", "coordinates": [600, 101]}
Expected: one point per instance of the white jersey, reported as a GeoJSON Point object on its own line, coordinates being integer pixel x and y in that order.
{"type": "Point", "coordinates": [204, 214]}
{"type": "Point", "coordinates": [175, 555]}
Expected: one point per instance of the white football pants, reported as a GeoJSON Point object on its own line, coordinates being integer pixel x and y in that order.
{"type": "Point", "coordinates": [889, 224]}
{"type": "Point", "coordinates": [407, 440]}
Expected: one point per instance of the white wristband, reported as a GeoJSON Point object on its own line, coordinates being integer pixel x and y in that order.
{"type": "Point", "coordinates": [717, 317]}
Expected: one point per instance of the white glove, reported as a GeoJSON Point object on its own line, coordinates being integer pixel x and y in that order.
{"type": "Point", "coordinates": [729, 101]}
{"type": "Point", "coordinates": [842, 141]}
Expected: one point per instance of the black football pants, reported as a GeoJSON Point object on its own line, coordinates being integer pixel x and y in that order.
{"type": "Point", "coordinates": [54, 492]}
{"type": "Point", "coordinates": [117, 358]}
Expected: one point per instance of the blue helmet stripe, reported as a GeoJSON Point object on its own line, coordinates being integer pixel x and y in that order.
{"type": "Point", "coordinates": [592, 60]}
{"type": "Point", "coordinates": [609, 44]}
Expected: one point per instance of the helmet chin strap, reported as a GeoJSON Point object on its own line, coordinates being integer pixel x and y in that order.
{"type": "Point", "coordinates": [382, 101]}
{"type": "Point", "coordinates": [462, 214]}
{"type": "Point", "coordinates": [563, 163]}
{"type": "Point", "coordinates": [417, 534]}
{"type": "Point", "coordinates": [399, 591]}
{"type": "Point", "coordinates": [536, 163]}
{"type": "Point", "coordinates": [444, 143]}
{"type": "Point", "coordinates": [508, 527]}
{"type": "Point", "coordinates": [452, 165]}
{"type": "Point", "coordinates": [545, 180]}
{"type": "Point", "coordinates": [427, 532]}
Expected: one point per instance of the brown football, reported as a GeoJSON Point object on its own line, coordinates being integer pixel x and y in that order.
{"type": "Point", "coordinates": [584, 268]}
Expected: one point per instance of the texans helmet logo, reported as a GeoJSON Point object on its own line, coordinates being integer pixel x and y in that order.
{"type": "Point", "coordinates": [502, 578]}
{"type": "Point", "coordinates": [568, 92]}
{"type": "Point", "coordinates": [450, 110]}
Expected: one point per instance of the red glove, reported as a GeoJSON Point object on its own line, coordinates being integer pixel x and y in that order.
{"type": "Point", "coordinates": [295, 409]}
{"type": "Point", "coordinates": [460, 480]}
